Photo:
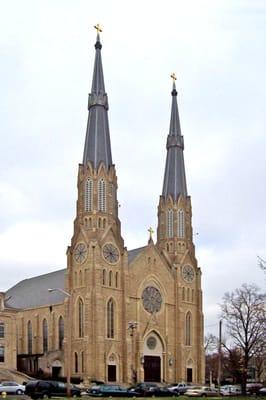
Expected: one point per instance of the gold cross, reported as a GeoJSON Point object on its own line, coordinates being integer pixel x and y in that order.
{"type": "Point", "coordinates": [173, 76]}
{"type": "Point", "coordinates": [98, 28]}
{"type": "Point", "coordinates": [151, 232]}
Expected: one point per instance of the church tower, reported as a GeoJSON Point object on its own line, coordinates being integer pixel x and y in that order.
{"type": "Point", "coordinates": [96, 255]}
{"type": "Point", "coordinates": [175, 241]}
{"type": "Point", "coordinates": [174, 231]}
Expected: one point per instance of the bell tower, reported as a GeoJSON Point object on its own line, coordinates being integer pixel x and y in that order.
{"type": "Point", "coordinates": [174, 231]}
{"type": "Point", "coordinates": [97, 206]}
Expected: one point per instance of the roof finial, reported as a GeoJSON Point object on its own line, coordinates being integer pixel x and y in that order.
{"type": "Point", "coordinates": [98, 28]}
{"type": "Point", "coordinates": [173, 76]}
{"type": "Point", "coordinates": [98, 42]}
{"type": "Point", "coordinates": [151, 231]}
{"type": "Point", "coordinates": [174, 92]}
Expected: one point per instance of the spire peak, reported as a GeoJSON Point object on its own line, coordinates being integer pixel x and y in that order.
{"type": "Point", "coordinates": [174, 92]}
{"type": "Point", "coordinates": [98, 44]}
{"type": "Point", "coordinates": [97, 143]}
{"type": "Point", "coordinates": [174, 177]}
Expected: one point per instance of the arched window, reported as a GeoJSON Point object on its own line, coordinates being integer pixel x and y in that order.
{"type": "Point", "coordinates": [188, 329]}
{"type": "Point", "coordinates": [2, 353]}
{"type": "Point", "coordinates": [76, 361]}
{"type": "Point", "coordinates": [2, 329]}
{"type": "Point", "coordinates": [101, 195]}
{"type": "Point", "coordinates": [170, 230]}
{"type": "Point", "coordinates": [61, 332]}
{"type": "Point", "coordinates": [82, 361]}
{"type": "Point", "coordinates": [104, 277]}
{"type": "Point", "coordinates": [88, 195]}
{"type": "Point", "coordinates": [45, 335]}
{"type": "Point", "coordinates": [80, 318]}
{"type": "Point", "coordinates": [116, 279]}
{"type": "Point", "coordinates": [110, 319]}
{"type": "Point", "coordinates": [80, 278]}
{"type": "Point", "coordinates": [183, 293]}
{"type": "Point", "coordinates": [188, 294]}
{"type": "Point", "coordinates": [192, 296]}
{"type": "Point", "coordinates": [181, 223]}
{"type": "Point", "coordinates": [29, 337]}
{"type": "Point", "coordinates": [110, 278]}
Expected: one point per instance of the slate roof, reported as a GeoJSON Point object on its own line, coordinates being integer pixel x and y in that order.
{"type": "Point", "coordinates": [132, 254]}
{"type": "Point", "coordinates": [33, 292]}
{"type": "Point", "coordinates": [174, 176]}
{"type": "Point", "coordinates": [97, 146]}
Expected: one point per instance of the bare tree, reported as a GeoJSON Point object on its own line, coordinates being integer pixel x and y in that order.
{"type": "Point", "coordinates": [244, 311]}
{"type": "Point", "coordinates": [210, 343]}
{"type": "Point", "coordinates": [262, 263]}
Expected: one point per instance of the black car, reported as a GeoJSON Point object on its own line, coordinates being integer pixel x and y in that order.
{"type": "Point", "coordinates": [111, 390]}
{"type": "Point", "coordinates": [147, 389]}
{"type": "Point", "coordinates": [40, 389]}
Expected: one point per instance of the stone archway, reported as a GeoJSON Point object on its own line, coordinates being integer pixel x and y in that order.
{"type": "Point", "coordinates": [56, 369]}
{"type": "Point", "coordinates": [152, 359]}
{"type": "Point", "coordinates": [112, 370]}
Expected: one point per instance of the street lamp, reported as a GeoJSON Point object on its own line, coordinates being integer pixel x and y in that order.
{"type": "Point", "coordinates": [69, 336]}
{"type": "Point", "coordinates": [132, 326]}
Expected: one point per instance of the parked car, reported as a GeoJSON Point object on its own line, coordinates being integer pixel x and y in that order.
{"type": "Point", "coordinates": [11, 387]}
{"type": "Point", "coordinates": [201, 391]}
{"type": "Point", "coordinates": [111, 390]}
{"type": "Point", "coordinates": [40, 389]}
{"type": "Point", "coordinates": [145, 389]}
{"type": "Point", "coordinates": [262, 392]}
{"type": "Point", "coordinates": [253, 388]}
{"type": "Point", "coordinates": [230, 390]}
{"type": "Point", "coordinates": [178, 388]}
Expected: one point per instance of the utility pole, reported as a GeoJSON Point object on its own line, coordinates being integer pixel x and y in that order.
{"type": "Point", "coordinates": [220, 355]}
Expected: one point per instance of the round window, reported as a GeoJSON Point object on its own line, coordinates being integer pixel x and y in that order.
{"type": "Point", "coordinates": [151, 342]}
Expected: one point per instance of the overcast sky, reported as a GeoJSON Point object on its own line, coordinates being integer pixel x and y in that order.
{"type": "Point", "coordinates": [217, 50]}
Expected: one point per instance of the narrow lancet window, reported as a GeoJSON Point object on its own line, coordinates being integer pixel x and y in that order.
{"type": "Point", "coordinates": [110, 319]}
{"type": "Point", "coordinates": [80, 318]}
{"type": "Point", "coordinates": [76, 361]}
{"type": "Point", "coordinates": [170, 230]}
{"type": "Point", "coordinates": [2, 330]}
{"type": "Point", "coordinates": [181, 223]}
{"type": "Point", "coordinates": [188, 329]}
{"type": "Point", "coordinates": [101, 195]}
{"type": "Point", "coordinates": [61, 332]}
{"type": "Point", "coordinates": [29, 337]}
{"type": "Point", "coordinates": [45, 335]}
{"type": "Point", "coordinates": [88, 195]}
{"type": "Point", "coordinates": [2, 353]}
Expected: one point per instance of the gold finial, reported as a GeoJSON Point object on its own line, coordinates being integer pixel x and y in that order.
{"type": "Point", "coordinates": [173, 76]}
{"type": "Point", "coordinates": [151, 231]}
{"type": "Point", "coordinates": [98, 28]}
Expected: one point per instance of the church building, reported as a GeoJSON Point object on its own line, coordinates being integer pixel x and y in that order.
{"type": "Point", "coordinates": [113, 315]}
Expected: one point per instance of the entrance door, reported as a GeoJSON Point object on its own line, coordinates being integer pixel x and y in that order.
{"type": "Point", "coordinates": [152, 369]}
{"type": "Point", "coordinates": [56, 372]}
{"type": "Point", "coordinates": [189, 375]}
{"type": "Point", "coordinates": [111, 373]}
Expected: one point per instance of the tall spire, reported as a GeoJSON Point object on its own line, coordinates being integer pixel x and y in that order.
{"type": "Point", "coordinates": [97, 143]}
{"type": "Point", "coordinates": [174, 176]}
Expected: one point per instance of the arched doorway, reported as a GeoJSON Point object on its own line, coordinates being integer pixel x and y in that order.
{"type": "Point", "coordinates": [56, 369]}
{"type": "Point", "coordinates": [112, 369]}
{"type": "Point", "coordinates": [152, 358]}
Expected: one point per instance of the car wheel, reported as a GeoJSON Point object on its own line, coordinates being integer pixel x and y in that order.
{"type": "Point", "coordinates": [203, 395]}
{"type": "Point", "coordinates": [45, 396]}
{"type": "Point", "coordinates": [19, 391]}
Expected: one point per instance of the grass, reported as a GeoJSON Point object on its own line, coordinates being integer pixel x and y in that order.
{"type": "Point", "coordinates": [23, 397]}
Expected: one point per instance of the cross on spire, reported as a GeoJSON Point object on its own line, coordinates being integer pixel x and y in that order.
{"type": "Point", "coordinates": [151, 231]}
{"type": "Point", "coordinates": [98, 28]}
{"type": "Point", "coordinates": [173, 76]}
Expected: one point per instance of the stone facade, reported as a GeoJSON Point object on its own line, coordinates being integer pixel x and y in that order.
{"type": "Point", "coordinates": [128, 315]}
